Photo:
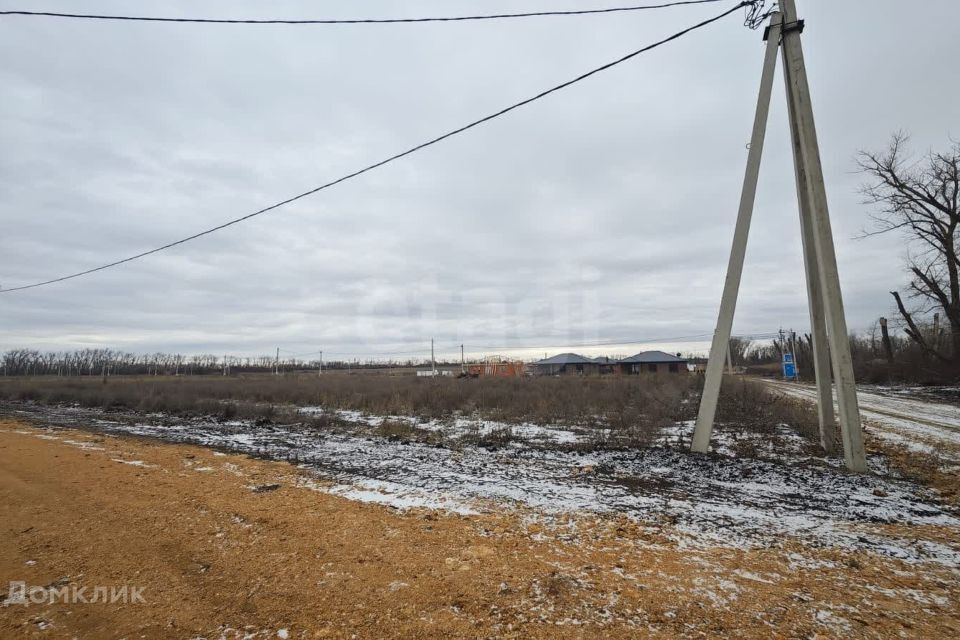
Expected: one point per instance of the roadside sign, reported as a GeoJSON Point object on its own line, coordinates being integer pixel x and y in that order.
{"type": "Point", "coordinates": [789, 367]}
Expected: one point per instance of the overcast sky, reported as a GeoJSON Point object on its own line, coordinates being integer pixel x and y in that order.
{"type": "Point", "coordinates": [604, 212]}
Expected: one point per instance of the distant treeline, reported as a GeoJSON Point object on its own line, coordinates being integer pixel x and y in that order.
{"type": "Point", "coordinates": [877, 359]}
{"type": "Point", "coordinates": [108, 362]}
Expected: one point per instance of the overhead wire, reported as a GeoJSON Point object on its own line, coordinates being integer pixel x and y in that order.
{"type": "Point", "coordinates": [352, 21]}
{"type": "Point", "coordinates": [376, 165]}
{"type": "Point", "coordinates": [452, 347]}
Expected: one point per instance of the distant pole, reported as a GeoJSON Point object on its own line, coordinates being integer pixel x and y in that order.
{"type": "Point", "coordinates": [936, 331]}
{"type": "Point", "coordinates": [433, 362]}
{"type": "Point", "coordinates": [320, 370]}
{"type": "Point", "coordinates": [463, 362]}
{"type": "Point", "coordinates": [793, 352]}
{"type": "Point", "coordinates": [729, 359]}
{"type": "Point", "coordinates": [276, 363]}
{"type": "Point", "coordinates": [224, 364]}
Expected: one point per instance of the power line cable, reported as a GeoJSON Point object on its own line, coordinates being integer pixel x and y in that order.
{"type": "Point", "coordinates": [612, 343]}
{"type": "Point", "coordinates": [424, 352]}
{"type": "Point", "coordinates": [376, 165]}
{"type": "Point", "coordinates": [604, 343]}
{"type": "Point", "coordinates": [272, 21]}
{"type": "Point", "coordinates": [449, 348]}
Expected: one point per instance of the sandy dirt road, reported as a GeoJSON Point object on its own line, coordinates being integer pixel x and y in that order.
{"type": "Point", "coordinates": [917, 423]}
{"type": "Point", "coordinates": [217, 558]}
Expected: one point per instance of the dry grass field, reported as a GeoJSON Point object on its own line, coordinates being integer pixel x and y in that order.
{"type": "Point", "coordinates": [355, 506]}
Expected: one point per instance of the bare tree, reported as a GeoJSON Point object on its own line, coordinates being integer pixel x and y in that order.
{"type": "Point", "coordinates": [920, 199]}
{"type": "Point", "coordinates": [738, 350]}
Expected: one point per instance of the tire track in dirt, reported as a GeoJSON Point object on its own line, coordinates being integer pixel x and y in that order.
{"type": "Point", "coordinates": [868, 406]}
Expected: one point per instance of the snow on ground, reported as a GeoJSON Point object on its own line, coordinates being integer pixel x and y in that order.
{"type": "Point", "coordinates": [458, 427]}
{"type": "Point", "coordinates": [896, 415]}
{"type": "Point", "coordinates": [711, 499]}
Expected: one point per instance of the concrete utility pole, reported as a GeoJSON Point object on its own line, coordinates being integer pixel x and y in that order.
{"type": "Point", "coordinates": [728, 303]}
{"type": "Point", "coordinates": [828, 322]}
{"type": "Point", "coordinates": [320, 370]}
{"type": "Point", "coordinates": [851, 429]}
{"type": "Point", "coordinates": [818, 327]}
{"type": "Point", "coordinates": [463, 362]}
{"type": "Point", "coordinates": [276, 363]}
{"type": "Point", "coordinates": [433, 363]}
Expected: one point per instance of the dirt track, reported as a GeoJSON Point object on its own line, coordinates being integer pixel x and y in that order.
{"type": "Point", "coordinates": [217, 559]}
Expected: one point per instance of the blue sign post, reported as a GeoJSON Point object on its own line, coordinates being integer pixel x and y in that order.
{"type": "Point", "coordinates": [789, 367]}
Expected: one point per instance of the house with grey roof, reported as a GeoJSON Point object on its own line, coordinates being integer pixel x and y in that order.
{"type": "Point", "coordinates": [653, 362]}
{"type": "Point", "coordinates": [566, 364]}
{"type": "Point", "coordinates": [644, 362]}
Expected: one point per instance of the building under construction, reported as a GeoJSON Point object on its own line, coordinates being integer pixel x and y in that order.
{"type": "Point", "coordinates": [497, 367]}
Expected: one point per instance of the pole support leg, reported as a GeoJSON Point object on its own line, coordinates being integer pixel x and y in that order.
{"type": "Point", "coordinates": [836, 324]}
{"type": "Point", "coordinates": [731, 286]}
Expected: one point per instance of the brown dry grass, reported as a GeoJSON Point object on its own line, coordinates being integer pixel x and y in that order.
{"type": "Point", "coordinates": [631, 410]}
{"type": "Point", "coordinates": [925, 468]}
{"type": "Point", "coordinates": [751, 406]}
{"type": "Point", "coordinates": [617, 400]}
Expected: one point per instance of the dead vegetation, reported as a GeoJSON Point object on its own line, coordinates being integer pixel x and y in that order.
{"type": "Point", "coordinates": [617, 412]}
{"type": "Point", "coordinates": [746, 405]}
{"type": "Point", "coordinates": [403, 431]}
{"type": "Point", "coordinates": [924, 467]}
{"type": "Point", "coordinates": [584, 401]}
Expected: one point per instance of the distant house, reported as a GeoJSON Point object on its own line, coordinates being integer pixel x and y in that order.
{"type": "Point", "coordinates": [606, 364]}
{"type": "Point", "coordinates": [566, 364]}
{"type": "Point", "coordinates": [653, 362]}
{"type": "Point", "coordinates": [576, 364]}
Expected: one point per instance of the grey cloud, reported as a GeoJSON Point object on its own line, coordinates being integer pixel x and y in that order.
{"type": "Point", "coordinates": [603, 212]}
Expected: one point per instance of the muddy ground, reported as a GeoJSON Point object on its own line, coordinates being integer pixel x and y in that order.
{"type": "Point", "coordinates": [228, 546]}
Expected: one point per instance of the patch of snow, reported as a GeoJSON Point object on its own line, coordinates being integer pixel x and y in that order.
{"type": "Point", "coordinates": [135, 463]}
{"type": "Point", "coordinates": [827, 618]}
{"type": "Point", "coordinates": [748, 575]}
{"type": "Point", "coordinates": [711, 500]}
{"type": "Point", "coordinates": [90, 446]}
{"type": "Point", "coordinates": [798, 561]}
{"type": "Point", "coordinates": [398, 496]}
